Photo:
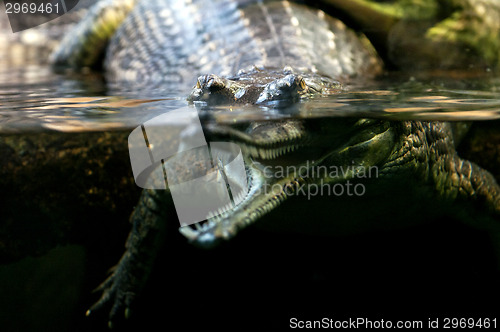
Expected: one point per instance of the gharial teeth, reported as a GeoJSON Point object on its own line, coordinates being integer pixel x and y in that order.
{"type": "Point", "coordinates": [254, 152]}
{"type": "Point", "coordinates": [263, 154]}
{"type": "Point", "coordinates": [268, 153]}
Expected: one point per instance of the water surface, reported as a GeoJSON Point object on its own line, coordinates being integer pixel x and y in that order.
{"type": "Point", "coordinates": [35, 98]}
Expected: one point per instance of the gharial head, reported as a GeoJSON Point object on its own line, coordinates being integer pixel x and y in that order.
{"type": "Point", "coordinates": [261, 86]}
{"type": "Point", "coordinates": [288, 158]}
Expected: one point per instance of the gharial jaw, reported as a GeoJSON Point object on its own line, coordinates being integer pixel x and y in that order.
{"type": "Point", "coordinates": [362, 143]}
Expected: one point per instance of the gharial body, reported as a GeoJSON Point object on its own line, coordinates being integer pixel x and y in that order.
{"type": "Point", "coordinates": [263, 53]}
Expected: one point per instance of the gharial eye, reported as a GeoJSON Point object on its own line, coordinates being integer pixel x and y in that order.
{"type": "Point", "coordinates": [302, 84]}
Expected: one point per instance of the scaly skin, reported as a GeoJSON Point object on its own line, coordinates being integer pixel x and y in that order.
{"type": "Point", "coordinates": [84, 46]}
{"type": "Point", "coordinates": [191, 39]}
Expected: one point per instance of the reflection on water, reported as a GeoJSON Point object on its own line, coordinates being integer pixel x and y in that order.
{"type": "Point", "coordinates": [34, 98]}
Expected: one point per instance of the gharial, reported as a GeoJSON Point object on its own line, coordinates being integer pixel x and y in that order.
{"type": "Point", "coordinates": [264, 53]}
